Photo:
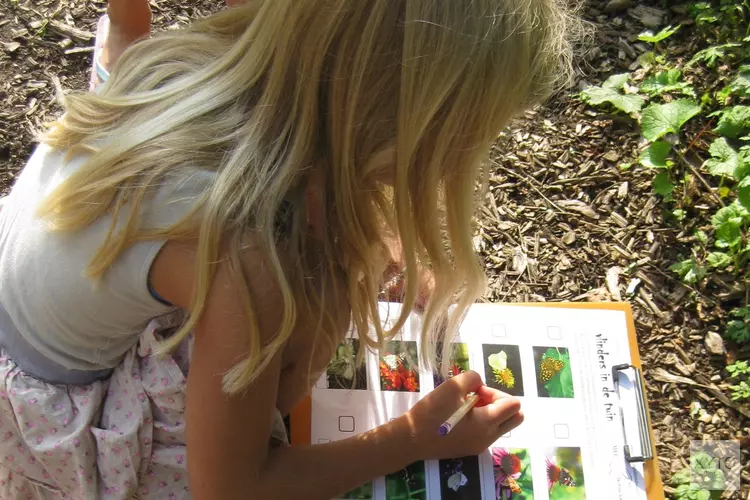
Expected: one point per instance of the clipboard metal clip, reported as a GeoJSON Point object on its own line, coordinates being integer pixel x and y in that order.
{"type": "Point", "coordinates": [646, 449]}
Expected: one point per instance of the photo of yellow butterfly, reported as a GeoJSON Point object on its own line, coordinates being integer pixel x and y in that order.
{"type": "Point", "coordinates": [549, 367]}
{"type": "Point", "coordinates": [553, 371]}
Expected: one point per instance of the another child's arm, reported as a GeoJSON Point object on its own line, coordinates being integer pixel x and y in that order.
{"type": "Point", "coordinates": [227, 437]}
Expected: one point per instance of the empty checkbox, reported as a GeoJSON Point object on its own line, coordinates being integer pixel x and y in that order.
{"type": "Point", "coordinates": [562, 431]}
{"type": "Point", "coordinates": [346, 424]}
{"type": "Point", "coordinates": [323, 441]}
{"type": "Point", "coordinates": [554, 332]}
{"type": "Point", "coordinates": [498, 331]}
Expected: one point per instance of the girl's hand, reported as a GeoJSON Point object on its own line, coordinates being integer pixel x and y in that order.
{"type": "Point", "coordinates": [495, 414]}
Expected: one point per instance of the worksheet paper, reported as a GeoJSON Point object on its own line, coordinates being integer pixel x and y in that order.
{"type": "Point", "coordinates": [558, 361]}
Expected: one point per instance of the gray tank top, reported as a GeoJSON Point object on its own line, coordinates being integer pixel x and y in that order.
{"type": "Point", "coordinates": [53, 321]}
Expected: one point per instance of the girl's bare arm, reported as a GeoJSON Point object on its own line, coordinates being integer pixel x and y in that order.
{"type": "Point", "coordinates": [227, 437]}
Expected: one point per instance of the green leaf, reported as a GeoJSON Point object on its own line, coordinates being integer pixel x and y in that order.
{"type": "Point", "coordinates": [702, 236]}
{"type": "Point", "coordinates": [649, 37]}
{"type": "Point", "coordinates": [734, 122]}
{"type": "Point", "coordinates": [728, 235]}
{"type": "Point", "coordinates": [743, 192]}
{"type": "Point", "coordinates": [688, 270]}
{"type": "Point", "coordinates": [737, 331]}
{"type": "Point", "coordinates": [734, 213]}
{"type": "Point", "coordinates": [561, 384]}
{"type": "Point", "coordinates": [741, 84]}
{"type": "Point", "coordinates": [666, 81]}
{"type": "Point", "coordinates": [681, 477]}
{"type": "Point", "coordinates": [679, 214]}
{"type": "Point", "coordinates": [702, 463]}
{"type": "Point", "coordinates": [702, 495]}
{"type": "Point", "coordinates": [616, 82]}
{"type": "Point", "coordinates": [724, 161]}
{"type": "Point", "coordinates": [660, 119]}
{"type": "Point", "coordinates": [741, 312]}
{"type": "Point", "coordinates": [712, 54]}
{"type": "Point", "coordinates": [655, 156]}
{"type": "Point", "coordinates": [611, 92]}
{"type": "Point", "coordinates": [717, 481]}
{"type": "Point", "coordinates": [718, 260]}
{"type": "Point", "coordinates": [662, 184]}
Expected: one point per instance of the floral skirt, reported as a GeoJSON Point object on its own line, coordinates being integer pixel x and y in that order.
{"type": "Point", "coordinates": [122, 438]}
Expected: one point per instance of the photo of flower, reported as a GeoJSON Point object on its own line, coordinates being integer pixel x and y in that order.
{"type": "Point", "coordinates": [565, 474]}
{"type": "Point", "coordinates": [502, 368]}
{"type": "Point", "coordinates": [407, 484]}
{"type": "Point", "coordinates": [399, 367]}
{"type": "Point", "coordinates": [459, 479]}
{"type": "Point", "coordinates": [343, 372]}
{"type": "Point", "coordinates": [458, 361]}
{"type": "Point", "coordinates": [554, 377]}
{"type": "Point", "coordinates": [512, 470]}
{"type": "Point", "coordinates": [364, 492]}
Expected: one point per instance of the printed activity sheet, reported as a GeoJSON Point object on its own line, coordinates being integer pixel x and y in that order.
{"type": "Point", "coordinates": [558, 361]}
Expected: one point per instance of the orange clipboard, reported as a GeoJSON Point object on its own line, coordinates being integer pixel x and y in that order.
{"type": "Point", "coordinates": [301, 416]}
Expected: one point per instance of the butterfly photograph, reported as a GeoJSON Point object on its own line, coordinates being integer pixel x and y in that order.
{"type": "Point", "coordinates": [459, 479]}
{"type": "Point", "coordinates": [502, 368]}
{"type": "Point", "coordinates": [344, 372]}
{"type": "Point", "coordinates": [512, 471]}
{"type": "Point", "coordinates": [554, 377]}
{"type": "Point", "coordinates": [407, 484]}
{"type": "Point", "coordinates": [399, 367]}
{"type": "Point", "coordinates": [364, 492]}
{"type": "Point", "coordinates": [565, 474]}
{"type": "Point", "coordinates": [458, 362]}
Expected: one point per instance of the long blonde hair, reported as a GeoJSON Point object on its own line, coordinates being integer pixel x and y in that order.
{"type": "Point", "coordinates": [262, 93]}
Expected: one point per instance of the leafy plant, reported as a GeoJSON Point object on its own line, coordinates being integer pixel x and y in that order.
{"type": "Point", "coordinates": [730, 224]}
{"type": "Point", "coordinates": [738, 368]}
{"type": "Point", "coordinates": [741, 371]}
{"type": "Point", "coordinates": [713, 54]}
{"type": "Point", "coordinates": [727, 161]}
{"type": "Point", "coordinates": [666, 81]}
{"type": "Point", "coordinates": [611, 91]}
{"type": "Point", "coordinates": [702, 480]}
{"type": "Point", "coordinates": [741, 84]}
{"type": "Point", "coordinates": [739, 329]}
{"type": "Point", "coordinates": [716, 92]}
{"type": "Point", "coordinates": [689, 271]}
{"type": "Point", "coordinates": [740, 391]}
{"type": "Point", "coordinates": [734, 122]}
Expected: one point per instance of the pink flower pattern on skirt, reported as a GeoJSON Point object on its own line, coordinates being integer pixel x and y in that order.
{"type": "Point", "coordinates": [123, 438]}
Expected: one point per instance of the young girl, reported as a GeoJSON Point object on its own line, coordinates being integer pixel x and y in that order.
{"type": "Point", "coordinates": [231, 196]}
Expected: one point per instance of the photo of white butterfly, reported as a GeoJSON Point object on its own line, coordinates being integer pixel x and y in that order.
{"type": "Point", "coordinates": [459, 479]}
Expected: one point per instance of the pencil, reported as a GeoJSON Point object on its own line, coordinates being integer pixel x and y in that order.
{"type": "Point", "coordinates": [446, 427]}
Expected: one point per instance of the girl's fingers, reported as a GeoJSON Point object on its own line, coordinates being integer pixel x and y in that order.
{"type": "Point", "coordinates": [499, 411]}
{"type": "Point", "coordinates": [489, 395]}
{"type": "Point", "coordinates": [510, 424]}
{"type": "Point", "coordinates": [462, 384]}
